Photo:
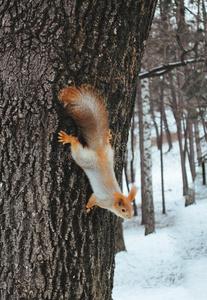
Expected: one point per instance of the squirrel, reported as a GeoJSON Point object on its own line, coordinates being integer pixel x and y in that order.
{"type": "Point", "coordinates": [88, 111]}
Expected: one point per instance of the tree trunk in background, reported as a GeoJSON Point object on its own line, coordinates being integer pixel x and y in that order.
{"type": "Point", "coordinates": [129, 164]}
{"type": "Point", "coordinates": [167, 131]}
{"type": "Point", "coordinates": [204, 172]}
{"type": "Point", "coordinates": [132, 162]}
{"type": "Point", "coordinates": [120, 245]}
{"type": "Point", "coordinates": [132, 171]}
{"type": "Point", "coordinates": [191, 148]}
{"type": "Point", "coordinates": [143, 99]}
{"type": "Point", "coordinates": [182, 158]}
{"type": "Point", "coordinates": [126, 172]}
{"type": "Point", "coordinates": [177, 115]}
{"type": "Point", "coordinates": [50, 247]}
{"type": "Point", "coordinates": [197, 140]}
{"type": "Point", "coordinates": [204, 126]}
{"type": "Point", "coordinates": [162, 109]}
{"type": "Point", "coordinates": [155, 123]}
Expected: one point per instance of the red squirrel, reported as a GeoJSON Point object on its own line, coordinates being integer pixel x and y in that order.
{"type": "Point", "coordinates": [87, 109]}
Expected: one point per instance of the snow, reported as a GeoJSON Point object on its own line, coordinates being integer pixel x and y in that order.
{"type": "Point", "coordinates": [172, 262]}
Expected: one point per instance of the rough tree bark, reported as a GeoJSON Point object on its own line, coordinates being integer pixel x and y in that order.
{"type": "Point", "coordinates": [50, 248]}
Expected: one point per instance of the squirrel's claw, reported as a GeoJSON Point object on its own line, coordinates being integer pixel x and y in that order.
{"type": "Point", "coordinates": [109, 136]}
{"type": "Point", "coordinates": [88, 209]}
{"type": "Point", "coordinates": [60, 136]}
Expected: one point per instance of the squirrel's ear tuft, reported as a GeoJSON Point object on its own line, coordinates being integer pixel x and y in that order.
{"type": "Point", "coordinates": [132, 193]}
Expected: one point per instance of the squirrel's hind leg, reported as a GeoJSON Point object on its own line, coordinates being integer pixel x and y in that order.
{"type": "Point", "coordinates": [67, 139]}
{"type": "Point", "coordinates": [90, 203]}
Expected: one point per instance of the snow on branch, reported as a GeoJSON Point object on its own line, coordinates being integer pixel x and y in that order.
{"type": "Point", "coordinates": [159, 71]}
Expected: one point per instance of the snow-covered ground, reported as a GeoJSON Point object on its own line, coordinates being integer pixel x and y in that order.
{"type": "Point", "coordinates": [170, 264]}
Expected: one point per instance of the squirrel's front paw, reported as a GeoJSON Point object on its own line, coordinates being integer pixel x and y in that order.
{"type": "Point", "coordinates": [63, 137]}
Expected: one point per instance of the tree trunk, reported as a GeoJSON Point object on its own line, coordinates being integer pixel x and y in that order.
{"type": "Point", "coordinates": [190, 192]}
{"type": "Point", "coordinates": [132, 171]}
{"type": "Point", "coordinates": [155, 124]}
{"type": "Point", "coordinates": [145, 156]}
{"type": "Point", "coordinates": [191, 148]}
{"type": "Point", "coordinates": [197, 140]}
{"type": "Point", "coordinates": [177, 115]}
{"type": "Point", "coordinates": [167, 131]}
{"type": "Point", "coordinates": [50, 247]}
{"type": "Point", "coordinates": [161, 147]}
{"type": "Point", "coordinates": [132, 167]}
{"type": "Point", "coordinates": [120, 245]}
{"type": "Point", "coordinates": [204, 172]}
{"type": "Point", "coordinates": [129, 168]}
{"type": "Point", "coordinates": [126, 173]}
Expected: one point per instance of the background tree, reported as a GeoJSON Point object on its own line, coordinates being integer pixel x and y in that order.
{"type": "Point", "coordinates": [131, 155]}
{"type": "Point", "coordinates": [50, 248]}
{"type": "Point", "coordinates": [176, 54]}
{"type": "Point", "coordinates": [143, 98]}
{"type": "Point", "coordinates": [175, 64]}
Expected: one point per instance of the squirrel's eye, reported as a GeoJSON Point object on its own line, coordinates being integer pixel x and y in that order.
{"type": "Point", "coordinates": [123, 210]}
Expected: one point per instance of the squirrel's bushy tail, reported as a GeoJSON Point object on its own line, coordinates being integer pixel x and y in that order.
{"type": "Point", "coordinates": [88, 111]}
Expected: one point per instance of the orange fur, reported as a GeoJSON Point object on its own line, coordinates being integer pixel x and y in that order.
{"type": "Point", "coordinates": [123, 202]}
{"type": "Point", "coordinates": [109, 136]}
{"type": "Point", "coordinates": [65, 139]}
{"type": "Point", "coordinates": [87, 109]}
{"type": "Point", "coordinates": [69, 94]}
{"type": "Point", "coordinates": [104, 162]}
{"type": "Point", "coordinates": [91, 203]}
{"type": "Point", "coordinates": [132, 193]}
{"type": "Point", "coordinates": [102, 155]}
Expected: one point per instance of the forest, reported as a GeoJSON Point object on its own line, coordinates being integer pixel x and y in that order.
{"type": "Point", "coordinates": [172, 85]}
{"type": "Point", "coordinates": [146, 63]}
{"type": "Point", "coordinates": [167, 157]}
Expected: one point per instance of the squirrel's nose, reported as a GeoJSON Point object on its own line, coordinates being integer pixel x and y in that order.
{"type": "Point", "coordinates": [129, 216]}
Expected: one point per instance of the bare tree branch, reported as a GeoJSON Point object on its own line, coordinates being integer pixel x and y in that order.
{"type": "Point", "coordinates": [161, 70]}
